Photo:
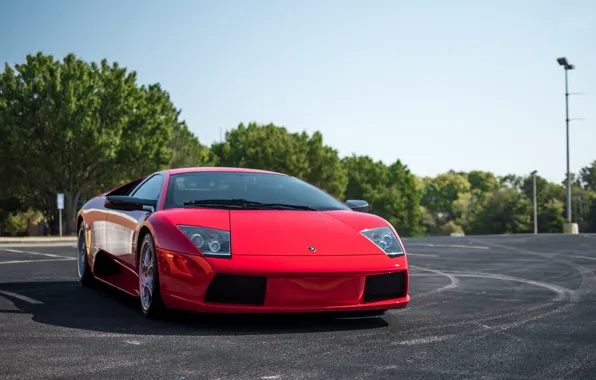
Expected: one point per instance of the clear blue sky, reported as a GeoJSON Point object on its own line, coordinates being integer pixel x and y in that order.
{"type": "Point", "coordinates": [438, 84]}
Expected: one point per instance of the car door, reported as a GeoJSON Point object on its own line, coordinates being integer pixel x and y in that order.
{"type": "Point", "coordinates": [121, 225]}
{"type": "Point", "coordinates": [95, 215]}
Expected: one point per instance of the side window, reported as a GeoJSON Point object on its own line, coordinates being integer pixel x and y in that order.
{"type": "Point", "coordinates": [127, 188]}
{"type": "Point", "coordinates": [150, 189]}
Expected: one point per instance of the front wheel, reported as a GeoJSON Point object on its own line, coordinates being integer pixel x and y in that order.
{"type": "Point", "coordinates": [149, 292]}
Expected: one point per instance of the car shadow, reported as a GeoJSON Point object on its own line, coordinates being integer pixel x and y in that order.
{"type": "Point", "coordinates": [101, 308]}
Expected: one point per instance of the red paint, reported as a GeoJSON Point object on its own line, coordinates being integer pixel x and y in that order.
{"type": "Point", "coordinates": [315, 283]}
{"type": "Point", "coordinates": [290, 233]}
{"type": "Point", "coordinates": [176, 302]}
{"type": "Point", "coordinates": [271, 243]}
{"type": "Point", "coordinates": [314, 291]}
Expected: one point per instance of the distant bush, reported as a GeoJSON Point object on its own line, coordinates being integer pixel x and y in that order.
{"type": "Point", "coordinates": [451, 227]}
{"type": "Point", "coordinates": [21, 223]}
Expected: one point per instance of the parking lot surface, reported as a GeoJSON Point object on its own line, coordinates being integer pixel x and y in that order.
{"type": "Point", "coordinates": [502, 307]}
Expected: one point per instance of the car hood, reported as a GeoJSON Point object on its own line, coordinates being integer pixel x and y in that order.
{"type": "Point", "coordinates": [291, 233]}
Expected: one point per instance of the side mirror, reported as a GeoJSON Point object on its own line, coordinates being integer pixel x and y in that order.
{"type": "Point", "coordinates": [357, 205]}
{"type": "Point", "coordinates": [126, 203]}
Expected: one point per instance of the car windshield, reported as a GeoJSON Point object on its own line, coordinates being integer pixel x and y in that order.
{"type": "Point", "coordinates": [231, 189]}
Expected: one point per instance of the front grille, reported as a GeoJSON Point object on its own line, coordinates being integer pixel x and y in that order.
{"type": "Point", "coordinates": [382, 287]}
{"type": "Point", "coordinates": [237, 289]}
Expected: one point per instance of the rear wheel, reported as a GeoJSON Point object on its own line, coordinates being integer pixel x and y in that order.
{"type": "Point", "coordinates": [83, 268]}
{"type": "Point", "coordinates": [149, 292]}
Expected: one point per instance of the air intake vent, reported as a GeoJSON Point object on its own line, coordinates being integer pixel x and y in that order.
{"type": "Point", "coordinates": [237, 289]}
{"type": "Point", "coordinates": [384, 287]}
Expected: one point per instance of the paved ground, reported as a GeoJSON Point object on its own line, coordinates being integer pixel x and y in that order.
{"type": "Point", "coordinates": [520, 307]}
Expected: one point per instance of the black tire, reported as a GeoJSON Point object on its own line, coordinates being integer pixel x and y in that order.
{"type": "Point", "coordinates": [152, 307]}
{"type": "Point", "coordinates": [83, 268]}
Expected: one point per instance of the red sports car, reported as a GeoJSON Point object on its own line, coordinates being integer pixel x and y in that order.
{"type": "Point", "coordinates": [240, 241]}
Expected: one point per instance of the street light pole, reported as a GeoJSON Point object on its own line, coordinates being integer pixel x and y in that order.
{"type": "Point", "coordinates": [535, 207]}
{"type": "Point", "coordinates": [563, 62]}
{"type": "Point", "coordinates": [567, 132]}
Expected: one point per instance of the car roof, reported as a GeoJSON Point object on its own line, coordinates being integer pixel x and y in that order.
{"type": "Point", "coordinates": [219, 169]}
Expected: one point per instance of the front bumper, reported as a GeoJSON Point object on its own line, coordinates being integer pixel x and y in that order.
{"type": "Point", "coordinates": [283, 284]}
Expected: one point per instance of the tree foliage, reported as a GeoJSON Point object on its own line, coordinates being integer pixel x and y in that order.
{"type": "Point", "coordinates": [82, 128]}
{"type": "Point", "coordinates": [274, 148]}
{"type": "Point", "coordinates": [392, 191]}
{"type": "Point", "coordinates": [506, 211]}
{"type": "Point", "coordinates": [587, 176]}
{"type": "Point", "coordinates": [442, 191]}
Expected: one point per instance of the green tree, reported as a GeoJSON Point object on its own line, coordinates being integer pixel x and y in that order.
{"type": "Point", "coordinates": [550, 216]}
{"type": "Point", "coordinates": [550, 199]}
{"type": "Point", "coordinates": [78, 128]}
{"type": "Point", "coordinates": [591, 216]}
{"type": "Point", "coordinates": [11, 190]}
{"type": "Point", "coordinates": [428, 222]}
{"type": "Point", "coordinates": [392, 191]}
{"type": "Point", "coordinates": [587, 176]}
{"type": "Point", "coordinates": [366, 179]}
{"type": "Point", "coordinates": [407, 214]}
{"type": "Point", "coordinates": [581, 203]}
{"type": "Point", "coordinates": [325, 169]}
{"type": "Point", "coordinates": [450, 228]}
{"type": "Point", "coordinates": [544, 189]}
{"type": "Point", "coordinates": [266, 147]}
{"type": "Point", "coordinates": [270, 147]}
{"type": "Point", "coordinates": [511, 181]}
{"type": "Point", "coordinates": [466, 208]}
{"type": "Point", "coordinates": [506, 211]}
{"type": "Point", "coordinates": [187, 151]}
{"type": "Point", "coordinates": [485, 182]}
{"type": "Point", "coordinates": [468, 205]}
{"type": "Point", "coordinates": [442, 191]}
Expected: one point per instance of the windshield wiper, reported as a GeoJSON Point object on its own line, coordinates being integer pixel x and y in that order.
{"type": "Point", "coordinates": [288, 206]}
{"type": "Point", "coordinates": [245, 203]}
{"type": "Point", "coordinates": [239, 203]}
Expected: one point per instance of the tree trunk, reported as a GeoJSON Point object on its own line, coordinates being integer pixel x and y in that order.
{"type": "Point", "coordinates": [53, 222]}
{"type": "Point", "coordinates": [70, 210]}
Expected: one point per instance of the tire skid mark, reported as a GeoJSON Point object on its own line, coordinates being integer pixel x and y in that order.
{"type": "Point", "coordinates": [588, 284]}
{"type": "Point", "coordinates": [561, 294]}
{"type": "Point", "coordinates": [583, 257]}
{"type": "Point", "coordinates": [503, 333]}
{"type": "Point", "coordinates": [399, 311]}
{"type": "Point", "coordinates": [447, 245]}
{"type": "Point", "coordinates": [483, 327]}
{"type": "Point", "coordinates": [508, 326]}
{"type": "Point", "coordinates": [453, 281]}
{"type": "Point", "coordinates": [430, 339]}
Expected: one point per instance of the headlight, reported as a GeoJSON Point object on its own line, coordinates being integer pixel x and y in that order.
{"type": "Point", "coordinates": [209, 241]}
{"type": "Point", "coordinates": [385, 239]}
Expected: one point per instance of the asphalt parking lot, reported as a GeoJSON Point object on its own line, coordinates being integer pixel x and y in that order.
{"type": "Point", "coordinates": [511, 307]}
